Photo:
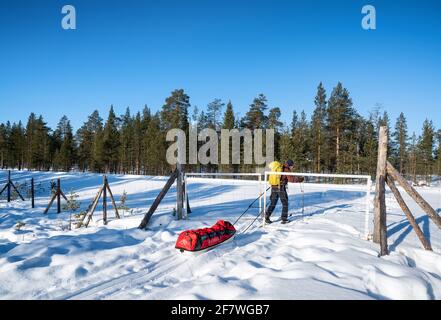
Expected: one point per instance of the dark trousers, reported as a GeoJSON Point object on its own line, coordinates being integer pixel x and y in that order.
{"type": "Point", "coordinates": [276, 193]}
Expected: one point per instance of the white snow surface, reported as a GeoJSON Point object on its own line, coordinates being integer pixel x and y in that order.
{"type": "Point", "coordinates": [321, 254]}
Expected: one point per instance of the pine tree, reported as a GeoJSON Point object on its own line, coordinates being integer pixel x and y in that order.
{"type": "Point", "coordinates": [214, 111]}
{"type": "Point", "coordinates": [174, 112]}
{"type": "Point", "coordinates": [318, 129]}
{"type": "Point", "coordinates": [255, 118]}
{"type": "Point", "coordinates": [400, 143]}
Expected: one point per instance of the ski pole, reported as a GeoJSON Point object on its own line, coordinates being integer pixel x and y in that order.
{"type": "Point", "coordinates": [257, 217]}
{"type": "Point", "coordinates": [249, 207]}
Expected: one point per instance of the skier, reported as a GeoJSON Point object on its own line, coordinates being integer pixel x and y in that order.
{"type": "Point", "coordinates": [278, 188]}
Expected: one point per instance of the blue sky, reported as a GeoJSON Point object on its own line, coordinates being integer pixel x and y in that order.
{"type": "Point", "coordinates": [132, 53]}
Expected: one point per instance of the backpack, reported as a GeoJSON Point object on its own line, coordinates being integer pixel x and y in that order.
{"type": "Point", "coordinates": [274, 179]}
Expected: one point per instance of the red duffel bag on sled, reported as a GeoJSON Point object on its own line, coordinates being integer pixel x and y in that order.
{"type": "Point", "coordinates": [204, 239]}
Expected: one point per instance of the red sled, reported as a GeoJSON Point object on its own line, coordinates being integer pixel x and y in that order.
{"type": "Point", "coordinates": [205, 239]}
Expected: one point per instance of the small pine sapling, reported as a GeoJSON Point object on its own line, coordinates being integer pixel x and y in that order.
{"type": "Point", "coordinates": [79, 217]}
{"type": "Point", "coordinates": [14, 194]}
{"type": "Point", "coordinates": [123, 205]}
{"type": "Point", "coordinates": [53, 187]}
{"type": "Point", "coordinates": [19, 225]}
{"type": "Point", "coordinates": [72, 206]}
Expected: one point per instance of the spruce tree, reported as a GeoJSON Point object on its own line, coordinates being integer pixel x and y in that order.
{"type": "Point", "coordinates": [65, 158]}
{"type": "Point", "coordinates": [3, 146]}
{"type": "Point", "coordinates": [138, 134]}
{"type": "Point", "coordinates": [425, 147]}
{"type": "Point", "coordinates": [413, 157]}
{"type": "Point", "coordinates": [8, 162]}
{"type": "Point", "coordinates": [17, 145]}
{"type": "Point", "coordinates": [229, 121]}
{"type": "Point", "coordinates": [384, 121]}
{"type": "Point", "coordinates": [370, 147]}
{"type": "Point", "coordinates": [341, 123]}
{"type": "Point", "coordinates": [126, 141]}
{"type": "Point", "coordinates": [111, 143]}
{"type": "Point", "coordinates": [286, 150]}
{"type": "Point", "coordinates": [86, 136]}
{"type": "Point", "coordinates": [30, 141]}
{"type": "Point", "coordinates": [154, 146]}
{"type": "Point", "coordinates": [300, 134]}
{"type": "Point", "coordinates": [438, 153]}
{"type": "Point", "coordinates": [274, 123]}
{"type": "Point", "coordinates": [400, 143]}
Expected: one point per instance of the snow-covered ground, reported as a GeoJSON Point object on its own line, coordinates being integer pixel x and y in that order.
{"type": "Point", "coordinates": [321, 254]}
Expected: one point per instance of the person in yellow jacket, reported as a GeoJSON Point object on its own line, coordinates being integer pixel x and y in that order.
{"type": "Point", "coordinates": [278, 188]}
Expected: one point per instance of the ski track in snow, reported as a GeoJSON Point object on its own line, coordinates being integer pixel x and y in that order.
{"type": "Point", "coordinates": [319, 255]}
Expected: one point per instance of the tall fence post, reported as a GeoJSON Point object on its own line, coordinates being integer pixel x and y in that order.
{"type": "Point", "coordinates": [179, 192]}
{"type": "Point", "coordinates": [105, 200]}
{"type": "Point", "coordinates": [9, 186]}
{"type": "Point", "coordinates": [380, 228]}
{"type": "Point", "coordinates": [58, 195]}
{"type": "Point", "coordinates": [32, 193]}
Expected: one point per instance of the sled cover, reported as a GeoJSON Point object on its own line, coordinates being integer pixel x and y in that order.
{"type": "Point", "coordinates": [201, 239]}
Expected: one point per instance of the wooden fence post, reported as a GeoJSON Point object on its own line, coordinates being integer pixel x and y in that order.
{"type": "Point", "coordinates": [105, 200]}
{"type": "Point", "coordinates": [380, 228]}
{"type": "Point", "coordinates": [179, 192]}
{"type": "Point", "coordinates": [9, 186]}
{"type": "Point", "coordinates": [391, 183]}
{"type": "Point", "coordinates": [32, 193]}
{"type": "Point", "coordinates": [58, 195]}
{"type": "Point", "coordinates": [414, 195]}
{"type": "Point", "coordinates": [158, 200]}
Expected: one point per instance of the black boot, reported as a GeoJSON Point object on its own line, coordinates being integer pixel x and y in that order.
{"type": "Point", "coordinates": [267, 220]}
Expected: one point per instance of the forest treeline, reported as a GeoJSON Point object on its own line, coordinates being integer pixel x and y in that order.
{"type": "Point", "coordinates": [334, 139]}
